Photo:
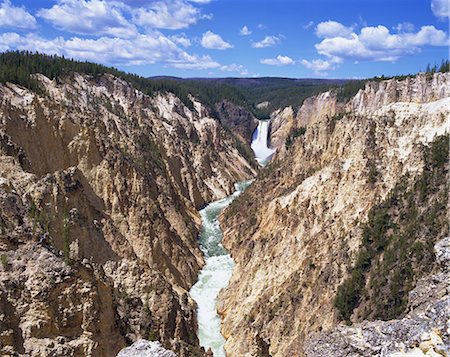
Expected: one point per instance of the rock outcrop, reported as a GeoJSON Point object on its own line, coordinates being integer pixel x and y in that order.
{"type": "Point", "coordinates": [296, 232]}
{"type": "Point", "coordinates": [143, 348]}
{"type": "Point", "coordinates": [237, 119]}
{"type": "Point", "coordinates": [422, 332]}
{"type": "Point", "coordinates": [419, 89]}
{"type": "Point", "coordinates": [100, 186]}
{"type": "Point", "coordinates": [282, 122]}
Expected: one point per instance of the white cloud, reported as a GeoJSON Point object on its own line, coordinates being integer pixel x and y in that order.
{"type": "Point", "coordinates": [168, 14]}
{"type": "Point", "coordinates": [268, 41]}
{"type": "Point", "coordinates": [235, 68]}
{"type": "Point", "coordinates": [139, 50]}
{"type": "Point", "coordinates": [329, 29]}
{"type": "Point", "coordinates": [440, 8]}
{"type": "Point", "coordinates": [319, 66]}
{"type": "Point", "coordinates": [378, 44]}
{"type": "Point", "coordinates": [115, 18]}
{"type": "Point", "coordinates": [181, 39]}
{"type": "Point", "coordinates": [96, 17]}
{"type": "Point", "coordinates": [245, 31]}
{"type": "Point", "coordinates": [278, 61]}
{"type": "Point", "coordinates": [213, 41]}
{"type": "Point", "coordinates": [16, 17]}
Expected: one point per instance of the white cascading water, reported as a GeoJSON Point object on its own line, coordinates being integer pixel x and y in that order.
{"type": "Point", "coordinates": [215, 274]}
{"type": "Point", "coordinates": [259, 142]}
{"type": "Point", "coordinates": [219, 265]}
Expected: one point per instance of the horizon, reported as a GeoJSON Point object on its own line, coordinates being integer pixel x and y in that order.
{"type": "Point", "coordinates": [215, 39]}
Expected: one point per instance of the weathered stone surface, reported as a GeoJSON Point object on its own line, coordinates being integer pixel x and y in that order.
{"type": "Point", "coordinates": [296, 230]}
{"type": "Point", "coordinates": [237, 119]}
{"type": "Point", "coordinates": [420, 89]}
{"type": "Point", "coordinates": [143, 348]}
{"type": "Point", "coordinates": [423, 332]}
{"type": "Point", "coordinates": [99, 190]}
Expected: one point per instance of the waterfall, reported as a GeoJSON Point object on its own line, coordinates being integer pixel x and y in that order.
{"type": "Point", "coordinates": [259, 142]}
{"type": "Point", "coordinates": [219, 265]}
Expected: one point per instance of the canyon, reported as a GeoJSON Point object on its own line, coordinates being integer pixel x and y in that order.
{"type": "Point", "coordinates": [101, 187]}
{"type": "Point", "coordinates": [113, 202]}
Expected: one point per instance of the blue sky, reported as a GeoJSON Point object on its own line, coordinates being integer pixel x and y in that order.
{"type": "Point", "coordinates": [231, 38]}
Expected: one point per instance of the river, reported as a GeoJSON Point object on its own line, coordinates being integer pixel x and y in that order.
{"type": "Point", "coordinates": [217, 271]}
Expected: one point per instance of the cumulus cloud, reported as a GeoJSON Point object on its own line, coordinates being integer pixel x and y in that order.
{"type": "Point", "coordinates": [245, 31]}
{"type": "Point", "coordinates": [378, 44]}
{"type": "Point", "coordinates": [278, 61]}
{"type": "Point", "coordinates": [142, 49]}
{"type": "Point", "coordinates": [213, 41]}
{"type": "Point", "coordinates": [181, 39]}
{"type": "Point", "coordinates": [440, 8]}
{"type": "Point", "coordinates": [114, 18]}
{"type": "Point", "coordinates": [16, 17]}
{"type": "Point", "coordinates": [329, 29]}
{"type": "Point", "coordinates": [96, 17]}
{"type": "Point", "coordinates": [168, 14]}
{"type": "Point", "coordinates": [268, 41]}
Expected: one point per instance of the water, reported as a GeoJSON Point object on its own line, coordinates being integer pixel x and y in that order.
{"type": "Point", "coordinates": [215, 274]}
{"type": "Point", "coordinates": [259, 142]}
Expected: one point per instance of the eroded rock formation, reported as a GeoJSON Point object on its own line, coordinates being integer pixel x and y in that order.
{"type": "Point", "coordinates": [296, 233]}
{"type": "Point", "coordinates": [100, 186]}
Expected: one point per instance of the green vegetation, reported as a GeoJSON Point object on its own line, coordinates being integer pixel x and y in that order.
{"type": "Point", "coordinates": [18, 66]}
{"type": "Point", "coordinates": [40, 219]}
{"type": "Point", "coordinates": [398, 240]}
{"type": "Point", "coordinates": [294, 134]}
{"type": "Point", "coordinates": [443, 67]}
{"type": "Point", "coordinates": [349, 90]}
{"type": "Point", "coordinates": [278, 92]}
{"type": "Point", "coordinates": [4, 261]}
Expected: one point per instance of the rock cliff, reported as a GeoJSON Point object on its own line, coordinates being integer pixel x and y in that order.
{"type": "Point", "coordinates": [100, 186]}
{"type": "Point", "coordinates": [238, 119]}
{"type": "Point", "coordinates": [299, 232]}
{"type": "Point", "coordinates": [422, 332]}
{"type": "Point", "coordinates": [419, 89]}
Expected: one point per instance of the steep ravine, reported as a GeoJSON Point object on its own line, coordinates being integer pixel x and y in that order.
{"type": "Point", "coordinates": [217, 271]}
{"type": "Point", "coordinates": [99, 192]}
{"type": "Point", "coordinates": [296, 232]}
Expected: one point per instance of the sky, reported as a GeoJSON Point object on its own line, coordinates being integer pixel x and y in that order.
{"type": "Point", "coordinates": [235, 38]}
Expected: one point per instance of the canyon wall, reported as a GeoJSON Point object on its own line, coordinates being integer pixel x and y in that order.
{"type": "Point", "coordinates": [100, 187]}
{"type": "Point", "coordinates": [302, 230]}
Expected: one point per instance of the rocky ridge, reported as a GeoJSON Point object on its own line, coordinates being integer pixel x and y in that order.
{"type": "Point", "coordinates": [419, 89]}
{"type": "Point", "coordinates": [295, 233]}
{"type": "Point", "coordinates": [100, 186]}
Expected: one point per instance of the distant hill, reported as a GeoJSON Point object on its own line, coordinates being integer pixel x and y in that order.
{"type": "Point", "coordinates": [278, 92]}
{"type": "Point", "coordinates": [18, 66]}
